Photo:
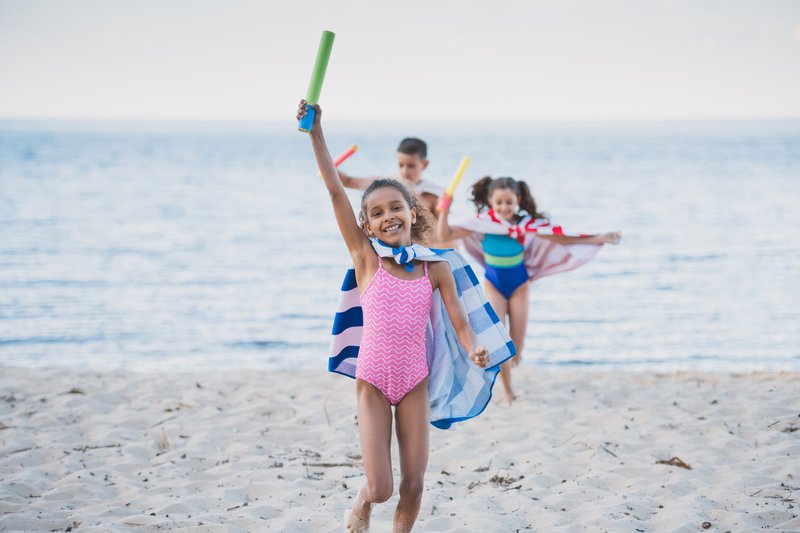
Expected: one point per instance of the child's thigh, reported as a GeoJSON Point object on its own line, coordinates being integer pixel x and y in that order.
{"type": "Point", "coordinates": [413, 429]}
{"type": "Point", "coordinates": [518, 303]}
{"type": "Point", "coordinates": [518, 311]}
{"type": "Point", "coordinates": [374, 428]}
{"type": "Point", "coordinates": [497, 300]}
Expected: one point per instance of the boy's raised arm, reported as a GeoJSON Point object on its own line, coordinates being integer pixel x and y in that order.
{"type": "Point", "coordinates": [359, 184]}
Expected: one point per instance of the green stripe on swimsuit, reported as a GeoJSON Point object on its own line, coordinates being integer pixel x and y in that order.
{"type": "Point", "coordinates": [502, 251]}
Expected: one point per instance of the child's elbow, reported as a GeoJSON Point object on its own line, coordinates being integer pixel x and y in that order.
{"type": "Point", "coordinates": [346, 180]}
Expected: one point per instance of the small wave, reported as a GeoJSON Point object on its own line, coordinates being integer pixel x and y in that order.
{"type": "Point", "coordinates": [575, 320]}
{"type": "Point", "coordinates": [303, 316]}
{"type": "Point", "coordinates": [601, 362]}
{"type": "Point", "coordinates": [49, 340]}
{"type": "Point", "coordinates": [268, 344]}
{"type": "Point", "coordinates": [679, 258]}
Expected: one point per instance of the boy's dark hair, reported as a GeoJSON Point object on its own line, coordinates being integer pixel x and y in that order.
{"type": "Point", "coordinates": [421, 229]}
{"type": "Point", "coordinates": [483, 188]}
{"type": "Point", "coordinates": [413, 146]}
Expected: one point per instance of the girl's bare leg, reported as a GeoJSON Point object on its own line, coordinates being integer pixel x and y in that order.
{"type": "Point", "coordinates": [500, 306]}
{"type": "Point", "coordinates": [375, 432]}
{"type": "Point", "coordinates": [411, 417]}
{"type": "Point", "coordinates": [518, 320]}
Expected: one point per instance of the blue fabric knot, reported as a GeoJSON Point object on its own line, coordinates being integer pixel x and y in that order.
{"type": "Point", "coordinates": [403, 255]}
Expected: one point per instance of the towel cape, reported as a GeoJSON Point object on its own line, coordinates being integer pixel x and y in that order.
{"type": "Point", "coordinates": [458, 389]}
{"type": "Point", "coordinates": [542, 257]}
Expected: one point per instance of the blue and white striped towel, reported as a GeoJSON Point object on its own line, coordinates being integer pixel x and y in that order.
{"type": "Point", "coordinates": [458, 389]}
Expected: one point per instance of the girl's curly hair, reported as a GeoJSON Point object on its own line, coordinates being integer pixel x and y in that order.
{"type": "Point", "coordinates": [421, 229]}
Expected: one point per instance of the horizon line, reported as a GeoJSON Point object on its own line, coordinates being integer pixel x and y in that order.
{"type": "Point", "coordinates": [398, 120]}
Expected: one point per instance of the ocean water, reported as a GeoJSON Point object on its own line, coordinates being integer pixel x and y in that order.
{"type": "Point", "coordinates": [192, 246]}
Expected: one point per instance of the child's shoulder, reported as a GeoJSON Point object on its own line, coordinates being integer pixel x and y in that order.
{"type": "Point", "coordinates": [438, 268]}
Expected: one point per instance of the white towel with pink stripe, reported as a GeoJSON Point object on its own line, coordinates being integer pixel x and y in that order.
{"type": "Point", "coordinates": [542, 257]}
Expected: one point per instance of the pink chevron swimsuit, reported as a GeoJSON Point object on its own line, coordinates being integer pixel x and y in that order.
{"type": "Point", "coordinates": [392, 355]}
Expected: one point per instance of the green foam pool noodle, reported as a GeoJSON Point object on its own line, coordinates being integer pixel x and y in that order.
{"type": "Point", "coordinates": [320, 66]}
{"type": "Point", "coordinates": [317, 77]}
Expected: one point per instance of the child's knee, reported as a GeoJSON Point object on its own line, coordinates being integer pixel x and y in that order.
{"type": "Point", "coordinates": [379, 490]}
{"type": "Point", "coordinates": [411, 487]}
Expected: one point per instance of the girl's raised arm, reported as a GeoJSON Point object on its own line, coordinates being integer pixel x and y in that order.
{"type": "Point", "coordinates": [355, 239]}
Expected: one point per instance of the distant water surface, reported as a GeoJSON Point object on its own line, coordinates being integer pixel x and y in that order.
{"type": "Point", "coordinates": [187, 246]}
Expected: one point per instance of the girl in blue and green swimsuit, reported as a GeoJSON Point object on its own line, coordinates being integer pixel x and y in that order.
{"type": "Point", "coordinates": [516, 244]}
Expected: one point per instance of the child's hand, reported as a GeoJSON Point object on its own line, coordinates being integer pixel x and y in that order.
{"type": "Point", "coordinates": [612, 237]}
{"type": "Point", "coordinates": [302, 111]}
{"type": "Point", "coordinates": [444, 203]}
{"type": "Point", "coordinates": [480, 356]}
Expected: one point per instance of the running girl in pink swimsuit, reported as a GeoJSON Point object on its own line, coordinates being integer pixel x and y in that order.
{"type": "Point", "coordinates": [392, 367]}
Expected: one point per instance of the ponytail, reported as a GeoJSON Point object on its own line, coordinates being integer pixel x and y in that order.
{"type": "Point", "coordinates": [526, 200]}
{"type": "Point", "coordinates": [480, 193]}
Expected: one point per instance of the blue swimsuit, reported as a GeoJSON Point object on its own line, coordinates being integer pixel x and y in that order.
{"type": "Point", "coordinates": [505, 266]}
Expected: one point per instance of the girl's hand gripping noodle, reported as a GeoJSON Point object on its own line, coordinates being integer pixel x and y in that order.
{"type": "Point", "coordinates": [317, 77]}
{"type": "Point", "coordinates": [444, 203]}
{"type": "Point", "coordinates": [447, 197]}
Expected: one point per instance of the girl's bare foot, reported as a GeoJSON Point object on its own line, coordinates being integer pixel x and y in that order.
{"type": "Point", "coordinates": [508, 398]}
{"type": "Point", "coordinates": [356, 519]}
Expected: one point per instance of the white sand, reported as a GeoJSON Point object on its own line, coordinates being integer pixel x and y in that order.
{"type": "Point", "coordinates": [254, 451]}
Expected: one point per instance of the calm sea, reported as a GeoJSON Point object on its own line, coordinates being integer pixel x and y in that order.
{"type": "Point", "coordinates": [196, 246]}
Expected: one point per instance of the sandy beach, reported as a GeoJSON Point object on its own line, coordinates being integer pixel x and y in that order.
{"type": "Point", "coordinates": [581, 450]}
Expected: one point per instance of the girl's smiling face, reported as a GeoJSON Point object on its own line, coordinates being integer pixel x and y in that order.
{"type": "Point", "coordinates": [504, 203]}
{"type": "Point", "coordinates": [389, 216]}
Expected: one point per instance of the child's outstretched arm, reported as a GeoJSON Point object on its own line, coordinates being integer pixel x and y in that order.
{"type": "Point", "coordinates": [612, 237]}
{"type": "Point", "coordinates": [445, 232]}
{"type": "Point", "coordinates": [357, 242]}
{"type": "Point", "coordinates": [359, 184]}
{"type": "Point", "coordinates": [442, 278]}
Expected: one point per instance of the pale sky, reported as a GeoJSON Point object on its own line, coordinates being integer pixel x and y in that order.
{"type": "Point", "coordinates": [406, 60]}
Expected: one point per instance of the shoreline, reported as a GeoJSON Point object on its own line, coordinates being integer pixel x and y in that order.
{"type": "Point", "coordinates": [532, 368]}
{"type": "Point", "coordinates": [259, 450]}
